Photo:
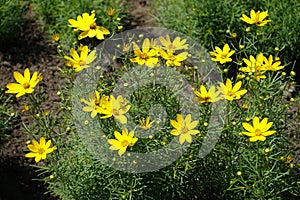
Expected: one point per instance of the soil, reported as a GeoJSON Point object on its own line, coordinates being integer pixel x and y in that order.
{"type": "Point", "coordinates": [34, 50]}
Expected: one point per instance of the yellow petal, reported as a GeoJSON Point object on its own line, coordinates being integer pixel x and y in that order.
{"type": "Point", "coordinates": [30, 155]}
{"type": "Point", "coordinates": [19, 77]}
{"type": "Point", "coordinates": [254, 139]}
{"type": "Point", "coordinates": [256, 122]}
{"type": "Point", "coordinates": [248, 127]}
{"type": "Point", "coordinates": [42, 142]}
{"type": "Point", "coordinates": [268, 133]}
{"type": "Point", "coordinates": [38, 157]}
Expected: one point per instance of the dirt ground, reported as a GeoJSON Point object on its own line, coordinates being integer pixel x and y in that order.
{"type": "Point", "coordinates": [34, 50]}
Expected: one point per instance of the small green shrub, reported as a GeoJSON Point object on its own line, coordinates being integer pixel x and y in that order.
{"type": "Point", "coordinates": [12, 18]}
{"type": "Point", "coordinates": [212, 23]}
{"type": "Point", "coordinates": [6, 114]}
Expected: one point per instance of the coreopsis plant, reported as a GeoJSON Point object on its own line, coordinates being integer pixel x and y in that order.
{"type": "Point", "coordinates": [116, 107]}
{"type": "Point", "coordinates": [95, 104]}
{"type": "Point", "coordinates": [257, 18]}
{"type": "Point", "coordinates": [259, 130]}
{"type": "Point", "coordinates": [222, 55]}
{"type": "Point", "coordinates": [110, 12]}
{"type": "Point", "coordinates": [230, 91]}
{"type": "Point", "coordinates": [270, 66]}
{"type": "Point", "coordinates": [173, 60]}
{"type": "Point", "coordinates": [146, 123]}
{"type": "Point", "coordinates": [184, 128]}
{"type": "Point", "coordinates": [122, 141]}
{"type": "Point", "coordinates": [55, 37]}
{"type": "Point", "coordinates": [82, 61]}
{"type": "Point", "coordinates": [171, 46]}
{"type": "Point", "coordinates": [25, 84]}
{"type": "Point", "coordinates": [145, 56]}
{"type": "Point", "coordinates": [257, 67]}
{"type": "Point", "coordinates": [107, 127]}
{"type": "Point", "coordinates": [87, 24]}
{"type": "Point", "coordinates": [39, 150]}
{"type": "Point", "coordinates": [206, 97]}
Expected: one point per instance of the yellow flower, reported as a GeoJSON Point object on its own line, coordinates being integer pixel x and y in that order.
{"type": "Point", "coordinates": [254, 66]}
{"type": "Point", "coordinates": [177, 44]}
{"type": "Point", "coordinates": [184, 127]}
{"type": "Point", "coordinates": [117, 108]}
{"type": "Point", "coordinates": [24, 84]}
{"type": "Point", "coordinates": [256, 18]}
{"type": "Point", "coordinates": [231, 92]}
{"type": "Point", "coordinates": [25, 108]}
{"type": "Point", "coordinates": [39, 150]}
{"type": "Point", "coordinates": [204, 96]}
{"type": "Point", "coordinates": [146, 56]}
{"type": "Point", "coordinates": [259, 130]}
{"type": "Point", "coordinates": [95, 104]}
{"type": "Point", "coordinates": [122, 141]}
{"type": "Point", "coordinates": [222, 56]}
{"type": "Point", "coordinates": [87, 24]}
{"type": "Point", "coordinates": [55, 37]}
{"type": "Point", "coordinates": [269, 65]}
{"type": "Point", "coordinates": [146, 124]}
{"type": "Point", "coordinates": [173, 60]}
{"type": "Point", "coordinates": [81, 62]}
{"type": "Point", "coordinates": [110, 11]}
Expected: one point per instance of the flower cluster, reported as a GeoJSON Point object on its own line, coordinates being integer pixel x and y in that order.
{"type": "Point", "coordinates": [170, 51]}
{"type": "Point", "coordinates": [225, 91]}
{"type": "Point", "coordinates": [256, 67]}
{"type": "Point", "coordinates": [107, 106]}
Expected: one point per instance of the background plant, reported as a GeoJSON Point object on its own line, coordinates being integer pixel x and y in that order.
{"type": "Point", "coordinates": [12, 18]}
{"type": "Point", "coordinates": [54, 15]}
{"type": "Point", "coordinates": [213, 23]}
{"type": "Point", "coordinates": [6, 115]}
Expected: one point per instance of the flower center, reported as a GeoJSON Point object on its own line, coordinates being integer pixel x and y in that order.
{"type": "Point", "coordinates": [184, 130]}
{"type": "Point", "coordinates": [124, 143]}
{"type": "Point", "coordinates": [144, 56]}
{"type": "Point", "coordinates": [93, 26]}
{"type": "Point", "coordinates": [81, 63]}
{"type": "Point", "coordinates": [26, 85]}
{"type": "Point", "coordinates": [41, 150]}
{"type": "Point", "coordinates": [223, 55]}
{"type": "Point", "coordinates": [172, 58]}
{"type": "Point", "coordinates": [172, 47]}
{"type": "Point", "coordinates": [207, 99]}
{"type": "Point", "coordinates": [257, 18]}
{"type": "Point", "coordinates": [115, 112]}
{"type": "Point", "coordinates": [230, 93]}
{"type": "Point", "coordinates": [258, 132]}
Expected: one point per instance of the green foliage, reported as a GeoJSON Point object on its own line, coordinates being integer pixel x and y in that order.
{"type": "Point", "coordinates": [12, 18]}
{"type": "Point", "coordinates": [6, 115]}
{"type": "Point", "coordinates": [212, 23]}
{"type": "Point", "coordinates": [54, 16]}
